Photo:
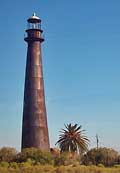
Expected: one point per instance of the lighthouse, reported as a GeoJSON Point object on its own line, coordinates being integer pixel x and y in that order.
{"type": "Point", "coordinates": [34, 124]}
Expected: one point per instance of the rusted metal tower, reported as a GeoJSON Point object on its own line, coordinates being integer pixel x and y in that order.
{"type": "Point", "coordinates": [34, 127]}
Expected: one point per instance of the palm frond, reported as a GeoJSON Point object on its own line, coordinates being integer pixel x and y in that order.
{"type": "Point", "coordinates": [72, 138]}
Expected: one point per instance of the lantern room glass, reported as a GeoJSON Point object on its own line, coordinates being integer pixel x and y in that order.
{"type": "Point", "coordinates": [34, 25]}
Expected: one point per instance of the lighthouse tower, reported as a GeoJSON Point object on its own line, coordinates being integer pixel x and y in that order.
{"type": "Point", "coordinates": [34, 127]}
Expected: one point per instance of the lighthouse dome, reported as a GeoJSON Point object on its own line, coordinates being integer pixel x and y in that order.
{"type": "Point", "coordinates": [34, 19]}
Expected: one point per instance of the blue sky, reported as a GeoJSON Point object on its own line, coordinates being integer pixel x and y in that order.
{"type": "Point", "coordinates": [81, 61]}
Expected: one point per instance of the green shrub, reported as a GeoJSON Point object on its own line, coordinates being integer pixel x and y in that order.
{"type": "Point", "coordinates": [14, 165]}
{"type": "Point", "coordinates": [105, 156]}
{"type": "Point", "coordinates": [117, 166]}
{"type": "Point", "coordinates": [4, 164]}
{"type": "Point", "coordinates": [30, 161]}
{"type": "Point", "coordinates": [24, 164]}
{"type": "Point", "coordinates": [44, 158]}
{"type": "Point", "coordinates": [7, 154]}
{"type": "Point", "coordinates": [66, 158]}
{"type": "Point", "coordinates": [60, 160]}
{"type": "Point", "coordinates": [101, 165]}
{"type": "Point", "coordinates": [26, 154]}
{"type": "Point", "coordinates": [35, 156]}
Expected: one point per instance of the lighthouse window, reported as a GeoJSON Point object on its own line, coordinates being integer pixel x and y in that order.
{"type": "Point", "coordinates": [34, 26]}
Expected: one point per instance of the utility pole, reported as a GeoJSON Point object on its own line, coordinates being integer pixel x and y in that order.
{"type": "Point", "coordinates": [97, 140]}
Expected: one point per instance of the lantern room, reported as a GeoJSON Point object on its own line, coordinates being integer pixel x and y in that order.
{"type": "Point", "coordinates": [34, 22]}
{"type": "Point", "coordinates": [34, 31]}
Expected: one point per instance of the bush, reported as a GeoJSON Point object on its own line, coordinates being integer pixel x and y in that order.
{"type": "Point", "coordinates": [105, 156]}
{"type": "Point", "coordinates": [101, 165]}
{"type": "Point", "coordinates": [26, 154]}
{"type": "Point", "coordinates": [7, 154]}
{"type": "Point", "coordinates": [66, 158]}
{"type": "Point", "coordinates": [14, 165]}
{"type": "Point", "coordinates": [24, 165]}
{"type": "Point", "coordinates": [35, 156]}
{"type": "Point", "coordinates": [44, 158]}
{"type": "Point", "coordinates": [117, 166]}
{"type": "Point", "coordinates": [4, 164]}
{"type": "Point", "coordinates": [60, 160]}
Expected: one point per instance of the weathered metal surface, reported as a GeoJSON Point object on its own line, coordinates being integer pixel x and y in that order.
{"type": "Point", "coordinates": [35, 129]}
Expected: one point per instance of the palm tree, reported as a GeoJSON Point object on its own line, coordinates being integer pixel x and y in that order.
{"type": "Point", "coordinates": [72, 139]}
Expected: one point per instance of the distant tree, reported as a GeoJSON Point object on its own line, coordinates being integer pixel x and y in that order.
{"type": "Point", "coordinates": [7, 154]}
{"type": "Point", "coordinates": [72, 139]}
{"type": "Point", "coordinates": [105, 156]}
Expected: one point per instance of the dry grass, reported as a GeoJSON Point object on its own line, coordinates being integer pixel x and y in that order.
{"type": "Point", "coordinates": [61, 169]}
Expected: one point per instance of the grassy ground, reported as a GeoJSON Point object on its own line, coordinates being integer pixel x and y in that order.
{"type": "Point", "coordinates": [60, 169]}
